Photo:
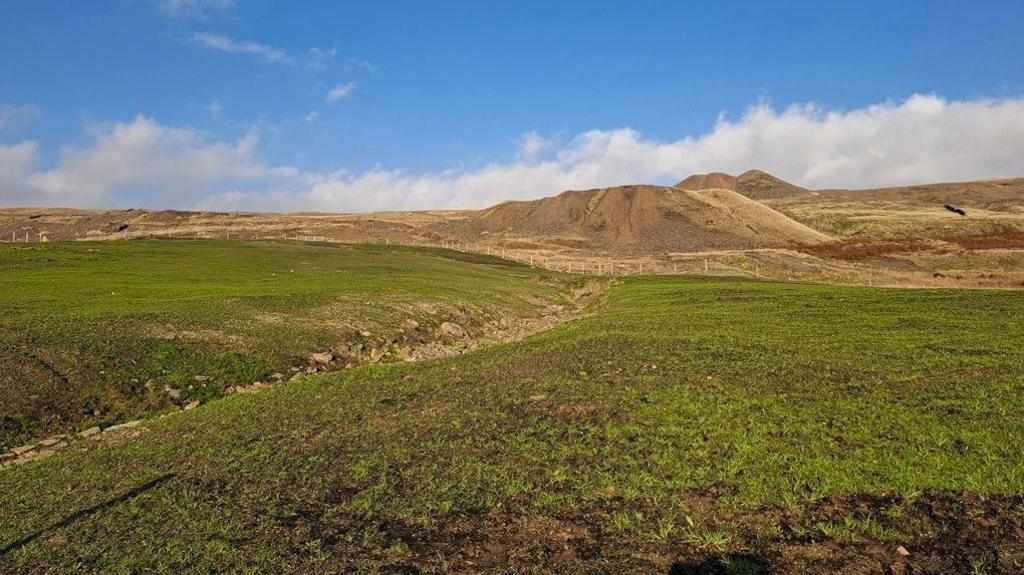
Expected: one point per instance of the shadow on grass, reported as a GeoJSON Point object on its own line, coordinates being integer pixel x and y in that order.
{"type": "Point", "coordinates": [738, 564]}
{"type": "Point", "coordinates": [130, 494]}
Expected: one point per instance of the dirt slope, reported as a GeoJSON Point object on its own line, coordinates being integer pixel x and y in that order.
{"type": "Point", "coordinates": [639, 218]}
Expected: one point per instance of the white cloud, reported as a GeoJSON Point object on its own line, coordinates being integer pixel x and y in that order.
{"type": "Point", "coordinates": [149, 164]}
{"type": "Point", "coordinates": [318, 59]}
{"type": "Point", "coordinates": [312, 116]}
{"type": "Point", "coordinates": [922, 139]}
{"type": "Point", "coordinates": [183, 8]}
{"type": "Point", "coordinates": [355, 64]}
{"type": "Point", "coordinates": [16, 164]}
{"type": "Point", "coordinates": [14, 117]}
{"type": "Point", "coordinates": [231, 46]}
{"type": "Point", "coordinates": [340, 92]}
{"type": "Point", "coordinates": [532, 145]}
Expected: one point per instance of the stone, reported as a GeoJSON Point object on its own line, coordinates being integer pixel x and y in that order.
{"type": "Point", "coordinates": [125, 425]}
{"type": "Point", "coordinates": [297, 376]}
{"type": "Point", "coordinates": [49, 441]}
{"type": "Point", "coordinates": [322, 358]}
{"type": "Point", "coordinates": [202, 378]}
{"type": "Point", "coordinates": [365, 333]}
{"type": "Point", "coordinates": [22, 450]}
{"type": "Point", "coordinates": [902, 551]}
{"type": "Point", "coordinates": [90, 432]}
{"type": "Point", "coordinates": [451, 329]}
{"type": "Point", "coordinates": [276, 376]}
{"type": "Point", "coordinates": [410, 324]}
{"type": "Point", "coordinates": [172, 393]}
{"type": "Point", "coordinates": [191, 405]}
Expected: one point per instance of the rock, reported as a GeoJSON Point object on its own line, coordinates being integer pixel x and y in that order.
{"type": "Point", "coordinates": [902, 551]}
{"type": "Point", "coordinates": [410, 324]}
{"type": "Point", "coordinates": [322, 358]}
{"type": "Point", "coordinates": [6, 456]}
{"type": "Point", "coordinates": [297, 376]}
{"type": "Point", "coordinates": [49, 442]}
{"type": "Point", "coordinates": [172, 393]}
{"type": "Point", "coordinates": [90, 432]}
{"type": "Point", "coordinates": [451, 329]}
{"type": "Point", "coordinates": [202, 378]}
{"type": "Point", "coordinates": [538, 397]}
{"type": "Point", "coordinates": [377, 354]}
{"type": "Point", "coordinates": [276, 376]}
{"type": "Point", "coordinates": [191, 405]}
{"type": "Point", "coordinates": [365, 333]}
{"type": "Point", "coordinates": [125, 425]}
{"type": "Point", "coordinates": [22, 450]}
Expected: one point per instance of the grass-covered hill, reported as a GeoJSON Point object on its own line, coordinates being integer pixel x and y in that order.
{"type": "Point", "coordinates": [682, 426]}
{"type": "Point", "coordinates": [98, 333]}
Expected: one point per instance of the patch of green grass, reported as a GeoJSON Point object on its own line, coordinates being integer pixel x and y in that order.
{"type": "Point", "coordinates": [668, 419]}
{"type": "Point", "coordinates": [94, 332]}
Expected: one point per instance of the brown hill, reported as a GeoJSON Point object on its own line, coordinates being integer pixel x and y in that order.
{"type": "Point", "coordinates": [754, 184]}
{"type": "Point", "coordinates": [638, 219]}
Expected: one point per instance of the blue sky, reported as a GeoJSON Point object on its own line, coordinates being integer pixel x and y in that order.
{"type": "Point", "coordinates": [227, 103]}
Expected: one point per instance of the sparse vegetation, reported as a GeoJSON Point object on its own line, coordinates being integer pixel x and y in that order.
{"type": "Point", "coordinates": [683, 424]}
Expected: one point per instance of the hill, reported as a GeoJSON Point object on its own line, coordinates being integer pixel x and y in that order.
{"type": "Point", "coordinates": [146, 326]}
{"type": "Point", "coordinates": [754, 184]}
{"type": "Point", "coordinates": [638, 219]}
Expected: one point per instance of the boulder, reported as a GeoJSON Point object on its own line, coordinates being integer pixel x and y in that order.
{"type": "Point", "coordinates": [90, 432]}
{"type": "Point", "coordinates": [321, 358]}
{"type": "Point", "coordinates": [451, 329]}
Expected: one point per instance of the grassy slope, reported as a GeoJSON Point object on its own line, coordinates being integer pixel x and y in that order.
{"type": "Point", "coordinates": [104, 314]}
{"type": "Point", "coordinates": [645, 433]}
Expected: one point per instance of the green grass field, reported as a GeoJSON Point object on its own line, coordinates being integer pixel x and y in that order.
{"type": "Point", "coordinates": [683, 426]}
{"type": "Point", "coordinates": [95, 333]}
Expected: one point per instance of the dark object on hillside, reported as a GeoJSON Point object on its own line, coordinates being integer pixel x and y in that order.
{"type": "Point", "coordinates": [122, 227]}
{"type": "Point", "coordinates": [955, 209]}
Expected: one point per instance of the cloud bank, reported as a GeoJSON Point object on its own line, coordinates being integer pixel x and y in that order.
{"type": "Point", "coordinates": [923, 138]}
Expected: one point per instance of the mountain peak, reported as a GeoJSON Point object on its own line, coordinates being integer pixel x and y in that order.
{"type": "Point", "coordinates": [755, 184]}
